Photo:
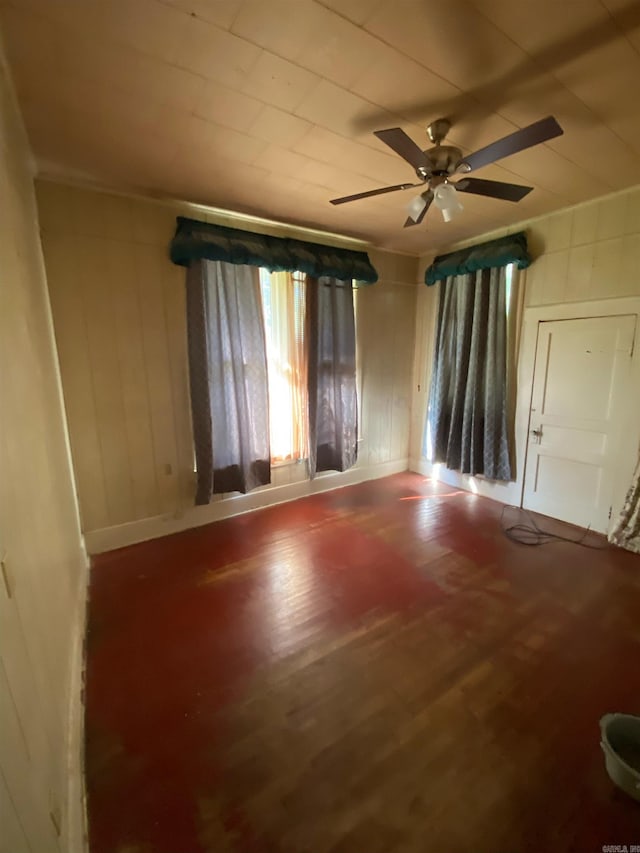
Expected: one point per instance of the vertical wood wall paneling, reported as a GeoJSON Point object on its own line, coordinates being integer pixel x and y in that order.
{"type": "Point", "coordinates": [150, 267]}
{"type": "Point", "coordinates": [119, 261]}
{"type": "Point", "coordinates": [585, 253]}
{"type": "Point", "coordinates": [73, 348]}
{"type": "Point", "coordinates": [402, 354]}
{"type": "Point", "coordinates": [386, 340]}
{"type": "Point", "coordinates": [42, 605]}
{"type": "Point", "coordinates": [99, 310]}
{"type": "Point", "coordinates": [29, 798]}
{"type": "Point", "coordinates": [126, 318]}
{"type": "Point", "coordinates": [39, 737]}
{"type": "Point", "coordinates": [13, 835]}
{"type": "Point", "coordinates": [425, 320]}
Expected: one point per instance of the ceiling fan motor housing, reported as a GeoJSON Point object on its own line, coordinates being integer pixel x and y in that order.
{"type": "Point", "coordinates": [438, 129]}
{"type": "Point", "coordinates": [445, 158]}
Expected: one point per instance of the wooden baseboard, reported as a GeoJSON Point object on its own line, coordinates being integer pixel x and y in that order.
{"type": "Point", "coordinates": [507, 493]}
{"type": "Point", "coordinates": [109, 538]}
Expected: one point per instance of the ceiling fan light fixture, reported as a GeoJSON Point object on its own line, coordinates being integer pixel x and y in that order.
{"type": "Point", "coordinates": [446, 200]}
{"type": "Point", "coordinates": [415, 207]}
{"type": "Point", "coordinates": [435, 166]}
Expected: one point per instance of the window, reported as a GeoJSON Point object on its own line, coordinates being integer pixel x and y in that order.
{"type": "Point", "coordinates": [469, 424]}
{"type": "Point", "coordinates": [283, 303]}
{"type": "Point", "coordinates": [286, 401]}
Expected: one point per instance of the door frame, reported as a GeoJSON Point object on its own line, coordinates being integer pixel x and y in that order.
{"type": "Point", "coordinates": [532, 317]}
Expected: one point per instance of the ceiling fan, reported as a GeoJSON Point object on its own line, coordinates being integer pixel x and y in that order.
{"type": "Point", "coordinates": [435, 166]}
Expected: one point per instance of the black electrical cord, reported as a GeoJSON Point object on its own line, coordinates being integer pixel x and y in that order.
{"type": "Point", "coordinates": [532, 534]}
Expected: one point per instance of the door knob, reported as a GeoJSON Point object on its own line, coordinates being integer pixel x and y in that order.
{"type": "Point", "coordinates": [537, 433]}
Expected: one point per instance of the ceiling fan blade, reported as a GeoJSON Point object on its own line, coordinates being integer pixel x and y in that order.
{"type": "Point", "coordinates": [526, 137]}
{"type": "Point", "coordinates": [403, 145]}
{"type": "Point", "coordinates": [370, 193]}
{"type": "Point", "coordinates": [493, 189]}
{"type": "Point", "coordinates": [428, 198]}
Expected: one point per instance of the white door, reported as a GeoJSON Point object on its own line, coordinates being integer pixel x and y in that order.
{"type": "Point", "coordinates": [581, 380]}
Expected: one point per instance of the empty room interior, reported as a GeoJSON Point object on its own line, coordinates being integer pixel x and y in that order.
{"type": "Point", "coordinates": [319, 426]}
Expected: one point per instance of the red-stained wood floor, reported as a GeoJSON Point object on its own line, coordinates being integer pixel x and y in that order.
{"type": "Point", "coordinates": [369, 670]}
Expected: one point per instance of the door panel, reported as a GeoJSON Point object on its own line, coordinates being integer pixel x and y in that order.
{"type": "Point", "coordinates": [585, 355]}
{"type": "Point", "coordinates": [582, 375]}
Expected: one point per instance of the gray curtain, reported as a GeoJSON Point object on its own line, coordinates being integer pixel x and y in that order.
{"type": "Point", "coordinates": [626, 533]}
{"type": "Point", "coordinates": [333, 403]}
{"type": "Point", "coordinates": [468, 404]}
{"type": "Point", "coordinates": [228, 376]}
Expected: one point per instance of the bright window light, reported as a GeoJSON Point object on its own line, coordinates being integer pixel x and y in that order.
{"type": "Point", "coordinates": [283, 306]}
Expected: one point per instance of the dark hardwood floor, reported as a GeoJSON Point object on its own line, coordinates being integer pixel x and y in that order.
{"type": "Point", "coordinates": [369, 670]}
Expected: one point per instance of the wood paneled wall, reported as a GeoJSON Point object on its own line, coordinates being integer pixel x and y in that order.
{"type": "Point", "coordinates": [585, 253]}
{"type": "Point", "coordinates": [43, 582]}
{"type": "Point", "coordinates": [119, 315]}
{"type": "Point", "coordinates": [118, 306]}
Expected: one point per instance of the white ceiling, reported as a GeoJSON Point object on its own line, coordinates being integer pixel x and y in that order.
{"type": "Point", "coordinates": [267, 107]}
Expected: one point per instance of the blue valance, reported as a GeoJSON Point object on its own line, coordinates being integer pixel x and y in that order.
{"type": "Point", "coordinates": [511, 249]}
{"type": "Point", "coordinates": [195, 240]}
